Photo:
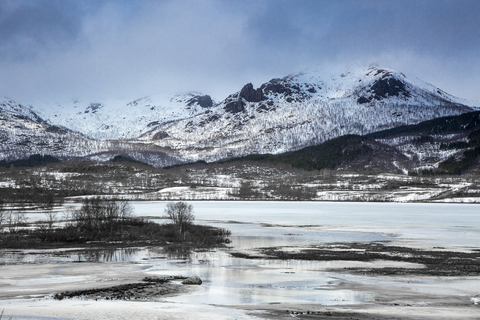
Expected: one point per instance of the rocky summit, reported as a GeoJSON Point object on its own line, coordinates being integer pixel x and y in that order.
{"type": "Point", "coordinates": [302, 110]}
{"type": "Point", "coordinates": [281, 115]}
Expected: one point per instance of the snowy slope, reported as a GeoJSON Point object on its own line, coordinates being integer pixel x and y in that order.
{"type": "Point", "coordinates": [281, 115]}
{"type": "Point", "coordinates": [23, 133]}
{"type": "Point", "coordinates": [9, 108]}
{"type": "Point", "coordinates": [122, 118]}
{"type": "Point", "coordinates": [304, 109]}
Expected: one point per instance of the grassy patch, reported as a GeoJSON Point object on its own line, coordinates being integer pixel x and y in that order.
{"type": "Point", "coordinates": [134, 231]}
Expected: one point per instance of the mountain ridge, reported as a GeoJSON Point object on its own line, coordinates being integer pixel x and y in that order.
{"type": "Point", "coordinates": [281, 115]}
{"type": "Point", "coordinates": [304, 109]}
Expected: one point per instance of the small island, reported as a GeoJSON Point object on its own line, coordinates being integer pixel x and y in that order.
{"type": "Point", "coordinates": [108, 223]}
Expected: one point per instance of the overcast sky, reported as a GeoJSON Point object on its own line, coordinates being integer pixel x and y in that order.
{"type": "Point", "coordinates": [55, 50]}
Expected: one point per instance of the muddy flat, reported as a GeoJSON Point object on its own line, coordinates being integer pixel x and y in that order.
{"type": "Point", "coordinates": [439, 262]}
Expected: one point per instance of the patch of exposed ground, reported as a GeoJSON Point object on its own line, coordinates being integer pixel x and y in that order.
{"type": "Point", "coordinates": [149, 289]}
{"type": "Point", "coordinates": [389, 303]}
{"type": "Point", "coordinates": [437, 262]}
{"type": "Point", "coordinates": [372, 313]}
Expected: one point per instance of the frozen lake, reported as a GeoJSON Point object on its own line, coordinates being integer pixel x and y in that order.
{"type": "Point", "coordinates": [260, 223]}
{"type": "Point", "coordinates": [236, 281]}
{"type": "Point", "coordinates": [449, 225]}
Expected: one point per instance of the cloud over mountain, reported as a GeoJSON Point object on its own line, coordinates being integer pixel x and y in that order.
{"type": "Point", "coordinates": [53, 50]}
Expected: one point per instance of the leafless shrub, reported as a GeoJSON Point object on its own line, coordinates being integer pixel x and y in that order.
{"type": "Point", "coordinates": [100, 217]}
{"type": "Point", "coordinates": [181, 214]}
{"type": "Point", "coordinates": [15, 220]}
{"type": "Point", "coordinates": [51, 218]}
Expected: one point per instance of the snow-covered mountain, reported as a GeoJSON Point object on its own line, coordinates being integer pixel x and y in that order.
{"type": "Point", "coordinates": [281, 115]}
{"type": "Point", "coordinates": [23, 132]}
{"type": "Point", "coordinates": [304, 109]}
{"type": "Point", "coordinates": [123, 118]}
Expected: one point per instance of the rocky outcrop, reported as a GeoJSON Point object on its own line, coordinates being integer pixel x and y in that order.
{"type": "Point", "coordinates": [383, 88]}
{"type": "Point", "coordinates": [160, 135]}
{"type": "Point", "coordinates": [389, 87]}
{"type": "Point", "coordinates": [192, 280]}
{"type": "Point", "coordinates": [203, 101]}
{"type": "Point", "coordinates": [236, 103]}
{"type": "Point", "coordinates": [280, 86]}
{"type": "Point", "coordinates": [250, 94]}
{"type": "Point", "coordinates": [235, 106]}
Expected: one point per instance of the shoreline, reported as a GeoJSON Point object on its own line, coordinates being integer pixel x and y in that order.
{"type": "Point", "coordinates": [112, 197]}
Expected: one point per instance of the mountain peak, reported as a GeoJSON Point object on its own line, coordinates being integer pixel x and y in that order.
{"type": "Point", "coordinates": [303, 109]}
{"type": "Point", "coordinates": [283, 114]}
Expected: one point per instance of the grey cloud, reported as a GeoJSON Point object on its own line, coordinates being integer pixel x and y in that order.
{"type": "Point", "coordinates": [436, 27]}
{"type": "Point", "coordinates": [29, 27]}
{"type": "Point", "coordinates": [85, 48]}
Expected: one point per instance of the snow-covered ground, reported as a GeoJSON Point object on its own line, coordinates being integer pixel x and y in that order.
{"type": "Point", "coordinates": [119, 118]}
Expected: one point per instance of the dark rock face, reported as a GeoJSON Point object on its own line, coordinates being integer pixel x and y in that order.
{"type": "Point", "coordinates": [250, 94]}
{"type": "Point", "coordinates": [265, 107]}
{"type": "Point", "coordinates": [235, 106]}
{"type": "Point", "coordinates": [389, 87]}
{"type": "Point", "coordinates": [279, 86]}
{"type": "Point", "coordinates": [195, 280]}
{"type": "Point", "coordinates": [291, 91]}
{"type": "Point", "coordinates": [384, 88]}
{"type": "Point", "coordinates": [211, 118]}
{"type": "Point", "coordinates": [56, 129]}
{"type": "Point", "coordinates": [363, 100]}
{"type": "Point", "coordinates": [94, 107]}
{"type": "Point", "coordinates": [160, 135]}
{"type": "Point", "coordinates": [19, 116]}
{"type": "Point", "coordinates": [153, 123]}
{"type": "Point", "coordinates": [203, 101]}
{"type": "Point", "coordinates": [312, 90]}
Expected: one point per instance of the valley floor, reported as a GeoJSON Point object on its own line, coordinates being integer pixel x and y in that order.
{"type": "Point", "coordinates": [238, 181]}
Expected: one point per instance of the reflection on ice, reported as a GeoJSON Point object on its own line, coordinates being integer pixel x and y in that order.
{"type": "Point", "coordinates": [226, 280]}
{"type": "Point", "coordinates": [230, 281]}
{"type": "Point", "coordinates": [123, 255]}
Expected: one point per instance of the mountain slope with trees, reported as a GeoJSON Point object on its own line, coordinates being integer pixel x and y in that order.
{"type": "Point", "coordinates": [280, 116]}
{"type": "Point", "coordinates": [302, 110]}
{"type": "Point", "coordinates": [447, 145]}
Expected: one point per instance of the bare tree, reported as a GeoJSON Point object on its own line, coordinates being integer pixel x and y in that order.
{"type": "Point", "coordinates": [100, 217]}
{"type": "Point", "coordinates": [181, 214]}
{"type": "Point", "coordinates": [16, 220]}
{"type": "Point", "coordinates": [3, 216]}
{"type": "Point", "coordinates": [51, 218]}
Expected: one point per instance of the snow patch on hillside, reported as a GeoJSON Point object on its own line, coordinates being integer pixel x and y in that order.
{"type": "Point", "coordinates": [120, 118]}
